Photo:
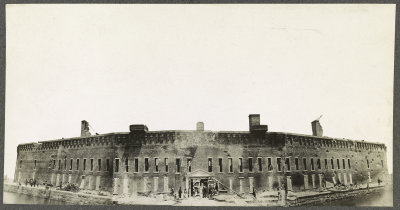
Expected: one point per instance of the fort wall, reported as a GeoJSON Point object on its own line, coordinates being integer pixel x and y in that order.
{"type": "Point", "coordinates": [137, 162]}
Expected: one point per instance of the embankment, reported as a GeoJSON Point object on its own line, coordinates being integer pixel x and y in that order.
{"type": "Point", "coordinates": [68, 197]}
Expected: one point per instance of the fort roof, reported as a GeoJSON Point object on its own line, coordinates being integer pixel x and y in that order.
{"type": "Point", "coordinates": [254, 128]}
{"type": "Point", "coordinates": [207, 131]}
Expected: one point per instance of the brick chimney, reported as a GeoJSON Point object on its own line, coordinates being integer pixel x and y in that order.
{"type": "Point", "coordinates": [254, 124]}
{"type": "Point", "coordinates": [316, 128]}
{"type": "Point", "coordinates": [199, 126]}
{"type": "Point", "coordinates": [254, 119]}
{"type": "Point", "coordinates": [85, 129]}
{"type": "Point", "coordinates": [138, 128]}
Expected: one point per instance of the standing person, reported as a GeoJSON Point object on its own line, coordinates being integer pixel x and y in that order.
{"type": "Point", "coordinates": [210, 191]}
{"type": "Point", "coordinates": [286, 190]}
{"type": "Point", "coordinates": [180, 192]}
{"type": "Point", "coordinates": [254, 192]}
{"type": "Point", "coordinates": [185, 193]}
{"type": "Point", "coordinates": [205, 190]}
{"type": "Point", "coordinates": [279, 193]}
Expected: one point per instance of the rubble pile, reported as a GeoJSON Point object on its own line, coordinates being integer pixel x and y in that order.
{"type": "Point", "coordinates": [71, 187]}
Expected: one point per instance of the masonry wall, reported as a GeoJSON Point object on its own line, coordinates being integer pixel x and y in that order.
{"type": "Point", "coordinates": [199, 146]}
{"type": "Point", "coordinates": [357, 153]}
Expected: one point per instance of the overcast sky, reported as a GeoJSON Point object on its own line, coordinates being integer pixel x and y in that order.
{"type": "Point", "coordinates": [169, 66]}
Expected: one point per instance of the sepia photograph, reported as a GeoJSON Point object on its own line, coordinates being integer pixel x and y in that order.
{"type": "Point", "coordinates": [199, 104]}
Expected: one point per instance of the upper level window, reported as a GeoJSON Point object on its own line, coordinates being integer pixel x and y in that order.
{"type": "Point", "coordinates": [146, 164]}
{"type": "Point", "coordinates": [77, 164]}
{"type": "Point", "coordinates": [270, 168]}
{"type": "Point", "coordinates": [65, 163]}
{"type": "Point", "coordinates": [107, 164]}
{"type": "Point", "coordinates": [59, 164]}
{"type": "Point", "coordinates": [166, 164]}
{"type": "Point", "coordinates": [54, 163]}
{"type": "Point", "coordinates": [156, 165]}
{"type": "Point", "coordinates": [136, 162]}
{"type": "Point", "coordinates": [278, 162]}
{"type": "Point", "coordinates": [259, 162]}
{"type": "Point", "coordinates": [333, 165]}
{"type": "Point", "coordinates": [304, 164]}
{"type": "Point", "coordinates": [319, 164]}
{"type": "Point", "coordinates": [99, 164]}
{"type": "Point", "coordinates": [178, 165]}
{"type": "Point", "coordinates": [230, 165]}
{"type": "Point", "coordinates": [296, 163]}
{"type": "Point", "coordinates": [209, 164]}
{"type": "Point", "coordinates": [338, 163]}
{"type": "Point", "coordinates": [189, 165]}
{"type": "Point", "coordinates": [348, 162]}
{"type": "Point", "coordinates": [35, 164]}
{"type": "Point", "coordinates": [240, 164]}
{"type": "Point", "coordinates": [84, 164]}
{"type": "Point", "coordinates": [126, 165]}
{"type": "Point", "coordinates": [70, 165]}
{"type": "Point", "coordinates": [220, 164]}
{"type": "Point", "coordinates": [312, 164]}
{"type": "Point", "coordinates": [91, 164]}
{"type": "Point", "coordinates": [117, 165]}
{"type": "Point", "coordinates": [250, 164]}
{"type": "Point", "coordinates": [287, 164]}
{"type": "Point", "coordinates": [367, 163]}
{"type": "Point", "coordinates": [20, 163]}
{"type": "Point", "coordinates": [326, 163]}
{"type": "Point", "coordinates": [344, 164]}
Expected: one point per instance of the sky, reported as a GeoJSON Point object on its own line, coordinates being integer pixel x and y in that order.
{"type": "Point", "coordinates": [170, 66]}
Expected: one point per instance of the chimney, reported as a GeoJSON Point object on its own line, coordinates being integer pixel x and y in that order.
{"type": "Point", "coordinates": [316, 128]}
{"type": "Point", "coordinates": [85, 129]}
{"type": "Point", "coordinates": [200, 126]}
{"type": "Point", "coordinates": [254, 119]}
{"type": "Point", "coordinates": [254, 124]}
{"type": "Point", "coordinates": [138, 128]}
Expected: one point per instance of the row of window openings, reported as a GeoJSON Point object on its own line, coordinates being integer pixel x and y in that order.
{"type": "Point", "coordinates": [338, 144]}
{"type": "Point", "coordinates": [210, 164]}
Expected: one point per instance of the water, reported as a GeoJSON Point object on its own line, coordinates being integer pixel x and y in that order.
{"type": "Point", "coordinates": [16, 198]}
{"type": "Point", "coordinates": [382, 197]}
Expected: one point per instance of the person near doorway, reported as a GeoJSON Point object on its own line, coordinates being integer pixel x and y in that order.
{"type": "Point", "coordinates": [254, 192]}
{"type": "Point", "coordinates": [210, 192]}
{"type": "Point", "coordinates": [180, 192]}
{"type": "Point", "coordinates": [204, 191]}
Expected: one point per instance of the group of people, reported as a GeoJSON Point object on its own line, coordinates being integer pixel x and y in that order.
{"type": "Point", "coordinates": [202, 191]}
{"type": "Point", "coordinates": [32, 182]}
{"type": "Point", "coordinates": [208, 191]}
